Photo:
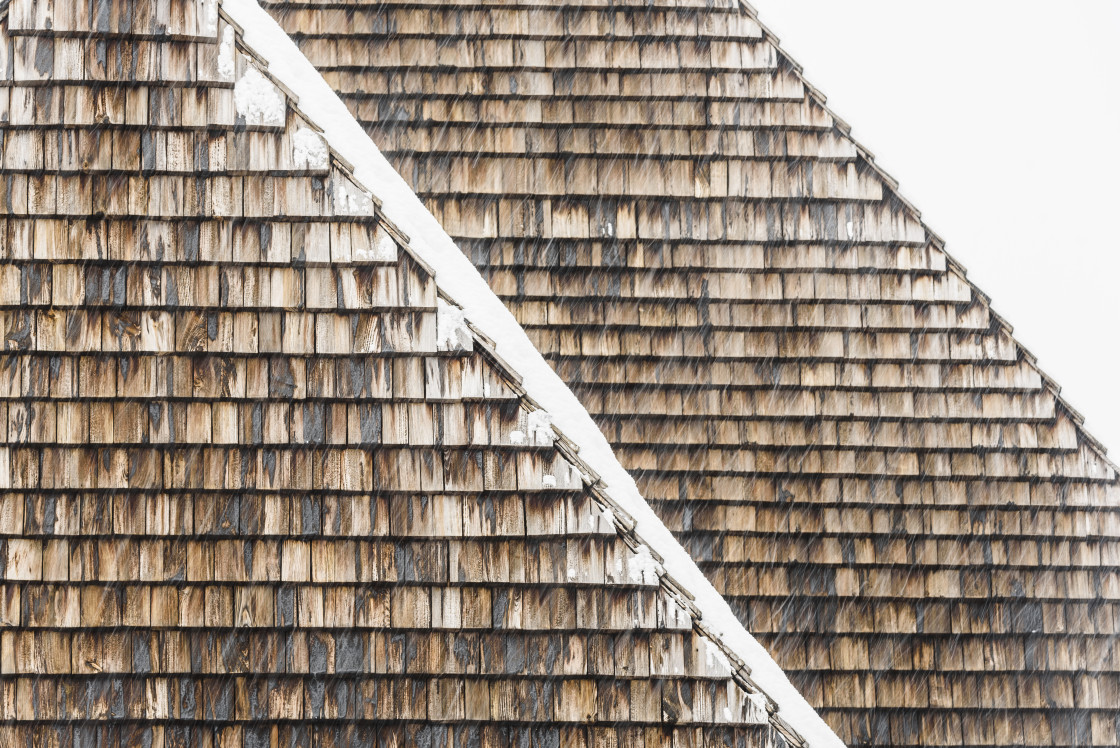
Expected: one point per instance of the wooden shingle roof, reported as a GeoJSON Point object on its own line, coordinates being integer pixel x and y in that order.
{"type": "Point", "coordinates": [261, 484]}
{"type": "Point", "coordinates": [809, 390]}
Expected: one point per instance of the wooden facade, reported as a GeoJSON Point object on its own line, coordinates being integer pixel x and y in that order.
{"type": "Point", "coordinates": [831, 417]}
{"type": "Point", "coordinates": [250, 494]}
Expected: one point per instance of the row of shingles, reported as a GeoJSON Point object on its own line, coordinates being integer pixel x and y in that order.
{"type": "Point", "coordinates": [519, 22]}
{"type": "Point", "coordinates": [887, 699]}
{"type": "Point", "coordinates": [157, 74]}
{"type": "Point", "coordinates": [813, 363]}
{"type": "Point", "coordinates": [406, 167]}
{"type": "Point", "coordinates": [14, 565]}
{"type": "Point", "coordinates": [884, 532]}
{"type": "Point", "coordinates": [350, 735]}
{"type": "Point", "coordinates": [578, 20]}
{"type": "Point", "coordinates": [24, 559]}
{"type": "Point", "coordinates": [576, 608]}
{"type": "Point", "coordinates": [971, 541]}
{"type": "Point", "coordinates": [167, 285]}
{"type": "Point", "coordinates": [211, 705]}
{"type": "Point", "coordinates": [969, 694]}
{"type": "Point", "coordinates": [1040, 704]}
{"type": "Point", "coordinates": [679, 703]}
{"type": "Point", "coordinates": [933, 587]}
{"type": "Point", "coordinates": [421, 175]}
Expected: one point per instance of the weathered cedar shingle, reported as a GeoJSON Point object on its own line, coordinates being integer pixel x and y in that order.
{"type": "Point", "coordinates": [813, 396]}
{"type": "Point", "coordinates": [245, 500]}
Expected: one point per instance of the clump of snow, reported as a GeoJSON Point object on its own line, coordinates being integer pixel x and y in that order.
{"type": "Point", "coordinates": [351, 200]}
{"type": "Point", "coordinates": [643, 568]}
{"type": "Point", "coordinates": [539, 425]}
{"type": "Point", "coordinates": [457, 276]}
{"type": "Point", "coordinates": [605, 514]}
{"type": "Point", "coordinates": [258, 101]}
{"type": "Point", "coordinates": [309, 150]}
{"type": "Point", "coordinates": [517, 436]}
{"type": "Point", "coordinates": [549, 481]}
{"type": "Point", "coordinates": [851, 230]}
{"type": "Point", "coordinates": [227, 60]}
{"type": "Point", "coordinates": [452, 333]}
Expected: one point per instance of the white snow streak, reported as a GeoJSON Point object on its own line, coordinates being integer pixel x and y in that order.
{"type": "Point", "coordinates": [717, 660]}
{"type": "Point", "coordinates": [227, 59]}
{"type": "Point", "coordinates": [207, 13]}
{"type": "Point", "coordinates": [460, 279]}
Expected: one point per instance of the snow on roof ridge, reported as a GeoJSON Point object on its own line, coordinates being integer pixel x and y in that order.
{"type": "Point", "coordinates": [458, 278]}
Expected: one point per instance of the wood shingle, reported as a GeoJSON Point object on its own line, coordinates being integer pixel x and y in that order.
{"type": "Point", "coordinates": [252, 492]}
{"type": "Point", "coordinates": [812, 394]}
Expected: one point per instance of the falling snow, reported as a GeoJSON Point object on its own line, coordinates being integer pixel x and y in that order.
{"type": "Point", "coordinates": [227, 55]}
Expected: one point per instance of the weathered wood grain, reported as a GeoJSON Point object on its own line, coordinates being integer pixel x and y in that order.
{"type": "Point", "coordinates": [245, 499]}
{"type": "Point", "coordinates": [815, 398]}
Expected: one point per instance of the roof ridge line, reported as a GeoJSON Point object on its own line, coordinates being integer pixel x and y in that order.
{"type": "Point", "coordinates": [952, 263]}
{"type": "Point", "coordinates": [502, 338]}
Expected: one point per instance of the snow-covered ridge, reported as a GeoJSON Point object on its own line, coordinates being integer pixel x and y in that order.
{"type": "Point", "coordinates": [457, 277]}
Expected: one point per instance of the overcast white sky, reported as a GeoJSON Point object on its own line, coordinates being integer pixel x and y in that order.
{"type": "Point", "coordinates": [1001, 121]}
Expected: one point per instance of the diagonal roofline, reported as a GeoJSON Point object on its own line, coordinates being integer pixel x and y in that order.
{"type": "Point", "coordinates": [953, 265]}
{"type": "Point", "coordinates": [497, 331]}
